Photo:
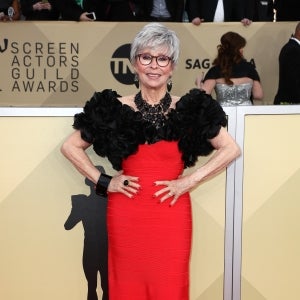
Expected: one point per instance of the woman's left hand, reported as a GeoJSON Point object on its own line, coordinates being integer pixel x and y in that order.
{"type": "Point", "coordinates": [173, 189]}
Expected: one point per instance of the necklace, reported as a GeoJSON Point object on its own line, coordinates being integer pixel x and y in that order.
{"type": "Point", "coordinates": [155, 114]}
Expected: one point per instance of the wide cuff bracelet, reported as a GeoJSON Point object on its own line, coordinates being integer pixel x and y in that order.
{"type": "Point", "coordinates": [102, 185]}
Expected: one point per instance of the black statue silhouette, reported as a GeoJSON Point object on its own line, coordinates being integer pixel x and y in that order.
{"type": "Point", "coordinates": [91, 211]}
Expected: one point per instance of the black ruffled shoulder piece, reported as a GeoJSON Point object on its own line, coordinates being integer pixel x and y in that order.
{"type": "Point", "coordinates": [196, 119]}
{"type": "Point", "coordinates": [114, 129]}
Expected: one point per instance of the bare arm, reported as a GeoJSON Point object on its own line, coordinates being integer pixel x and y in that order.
{"type": "Point", "coordinates": [207, 85]}
{"type": "Point", "coordinates": [17, 9]}
{"type": "Point", "coordinates": [257, 90]}
{"type": "Point", "coordinates": [226, 151]}
{"type": "Point", "coordinates": [74, 150]}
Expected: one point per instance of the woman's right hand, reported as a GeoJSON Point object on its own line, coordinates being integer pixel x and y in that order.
{"type": "Point", "coordinates": [125, 184]}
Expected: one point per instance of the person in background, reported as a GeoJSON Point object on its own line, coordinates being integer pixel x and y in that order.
{"type": "Point", "coordinates": [260, 10]}
{"type": "Point", "coordinates": [163, 10]}
{"type": "Point", "coordinates": [71, 10]}
{"type": "Point", "coordinates": [287, 10]}
{"type": "Point", "coordinates": [235, 81]}
{"type": "Point", "coordinates": [114, 10]}
{"type": "Point", "coordinates": [200, 11]}
{"type": "Point", "coordinates": [96, 6]}
{"type": "Point", "coordinates": [35, 10]}
{"type": "Point", "coordinates": [289, 71]}
{"type": "Point", "coordinates": [10, 10]}
{"type": "Point", "coordinates": [53, 10]}
{"type": "Point", "coordinates": [149, 138]}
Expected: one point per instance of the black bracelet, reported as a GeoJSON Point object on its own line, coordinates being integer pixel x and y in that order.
{"type": "Point", "coordinates": [102, 185]}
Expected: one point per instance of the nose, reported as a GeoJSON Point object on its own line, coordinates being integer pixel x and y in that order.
{"type": "Point", "coordinates": [154, 63]}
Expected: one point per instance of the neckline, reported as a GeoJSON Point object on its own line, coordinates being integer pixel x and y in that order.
{"type": "Point", "coordinates": [154, 114]}
{"type": "Point", "coordinates": [164, 103]}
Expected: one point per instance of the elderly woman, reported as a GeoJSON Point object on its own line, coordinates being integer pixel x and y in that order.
{"type": "Point", "coordinates": [150, 138]}
{"type": "Point", "coordinates": [235, 80]}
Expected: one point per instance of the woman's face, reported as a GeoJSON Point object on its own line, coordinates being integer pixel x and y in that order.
{"type": "Point", "coordinates": [157, 72]}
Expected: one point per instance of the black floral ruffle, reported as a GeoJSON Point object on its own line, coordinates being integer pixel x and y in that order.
{"type": "Point", "coordinates": [116, 130]}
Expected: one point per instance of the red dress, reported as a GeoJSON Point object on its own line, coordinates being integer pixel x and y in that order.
{"type": "Point", "coordinates": [149, 242]}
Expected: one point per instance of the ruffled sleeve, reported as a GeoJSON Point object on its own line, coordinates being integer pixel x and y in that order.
{"type": "Point", "coordinates": [112, 128]}
{"type": "Point", "coordinates": [116, 130]}
{"type": "Point", "coordinates": [198, 118]}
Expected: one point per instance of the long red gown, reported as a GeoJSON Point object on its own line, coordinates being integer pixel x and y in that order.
{"type": "Point", "coordinates": [149, 242]}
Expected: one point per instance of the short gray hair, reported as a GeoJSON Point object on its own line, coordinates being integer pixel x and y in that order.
{"type": "Point", "coordinates": [155, 35]}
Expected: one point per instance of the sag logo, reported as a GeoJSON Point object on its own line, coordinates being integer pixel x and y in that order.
{"type": "Point", "coordinates": [3, 47]}
{"type": "Point", "coordinates": [120, 65]}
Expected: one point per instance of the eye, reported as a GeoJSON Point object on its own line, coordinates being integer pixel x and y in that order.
{"type": "Point", "coordinates": [146, 57]}
{"type": "Point", "coordinates": [163, 58]}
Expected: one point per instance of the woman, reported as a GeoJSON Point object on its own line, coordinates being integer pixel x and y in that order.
{"type": "Point", "coordinates": [235, 81]}
{"type": "Point", "coordinates": [149, 138]}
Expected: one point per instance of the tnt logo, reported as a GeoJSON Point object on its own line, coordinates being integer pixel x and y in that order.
{"type": "Point", "coordinates": [120, 65]}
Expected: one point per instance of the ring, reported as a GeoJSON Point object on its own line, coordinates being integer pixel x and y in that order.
{"type": "Point", "coordinates": [126, 182]}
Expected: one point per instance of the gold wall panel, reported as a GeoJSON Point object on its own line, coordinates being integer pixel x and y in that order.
{"type": "Point", "coordinates": [271, 208]}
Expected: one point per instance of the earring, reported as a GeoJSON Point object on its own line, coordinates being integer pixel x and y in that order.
{"type": "Point", "coordinates": [136, 81]}
{"type": "Point", "coordinates": [169, 85]}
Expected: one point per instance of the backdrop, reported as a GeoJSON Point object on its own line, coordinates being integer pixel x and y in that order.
{"type": "Point", "coordinates": [63, 63]}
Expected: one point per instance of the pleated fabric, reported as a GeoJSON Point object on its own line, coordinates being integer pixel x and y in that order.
{"type": "Point", "coordinates": [149, 242]}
